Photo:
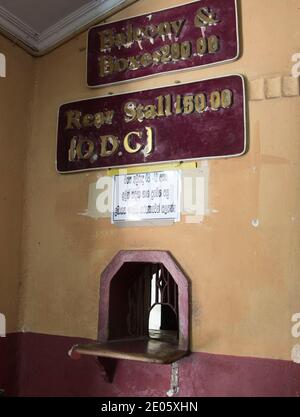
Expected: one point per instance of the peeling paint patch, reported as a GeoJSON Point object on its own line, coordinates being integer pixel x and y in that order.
{"type": "Point", "coordinates": [174, 384]}
{"type": "Point", "coordinates": [194, 196]}
{"type": "Point", "coordinates": [195, 193]}
{"type": "Point", "coordinates": [255, 223]}
{"type": "Point", "coordinates": [2, 66]}
{"type": "Point", "coordinates": [296, 354]}
{"type": "Point", "coordinates": [99, 199]}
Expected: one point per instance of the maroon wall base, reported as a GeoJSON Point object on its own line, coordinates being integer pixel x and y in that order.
{"type": "Point", "coordinates": [38, 365]}
{"type": "Point", "coordinates": [10, 354]}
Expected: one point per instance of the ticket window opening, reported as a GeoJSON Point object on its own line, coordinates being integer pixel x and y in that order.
{"type": "Point", "coordinates": [143, 303]}
{"type": "Point", "coordinates": [143, 312]}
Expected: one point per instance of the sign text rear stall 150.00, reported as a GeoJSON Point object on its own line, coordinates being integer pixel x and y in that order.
{"type": "Point", "coordinates": [203, 119]}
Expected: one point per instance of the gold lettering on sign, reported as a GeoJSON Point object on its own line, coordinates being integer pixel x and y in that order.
{"type": "Point", "coordinates": [215, 100]}
{"type": "Point", "coordinates": [210, 45]}
{"type": "Point", "coordinates": [150, 112]}
{"type": "Point", "coordinates": [130, 111]}
{"type": "Point", "coordinates": [178, 108]}
{"type": "Point", "coordinates": [133, 63]}
{"type": "Point", "coordinates": [200, 103]}
{"type": "Point", "coordinates": [109, 145]}
{"type": "Point", "coordinates": [100, 119]}
{"type": "Point", "coordinates": [160, 106]}
{"type": "Point", "coordinates": [175, 52]}
{"type": "Point", "coordinates": [120, 65]}
{"type": "Point", "coordinates": [149, 146]}
{"type": "Point", "coordinates": [164, 29]}
{"type": "Point", "coordinates": [226, 98]}
{"type": "Point", "coordinates": [75, 119]}
{"type": "Point", "coordinates": [85, 148]}
{"type": "Point", "coordinates": [163, 43]}
{"type": "Point", "coordinates": [213, 44]}
{"type": "Point", "coordinates": [188, 104]}
{"type": "Point", "coordinates": [165, 106]}
{"type": "Point", "coordinates": [220, 99]}
{"type": "Point", "coordinates": [109, 38]}
{"type": "Point", "coordinates": [72, 150]}
{"type": "Point", "coordinates": [88, 120]}
{"type": "Point", "coordinates": [168, 105]}
{"type": "Point", "coordinates": [177, 26]}
{"type": "Point", "coordinates": [146, 59]}
{"type": "Point", "coordinates": [80, 148]}
{"type": "Point", "coordinates": [205, 17]}
{"type": "Point", "coordinates": [201, 46]}
{"type": "Point", "coordinates": [106, 65]}
{"type": "Point", "coordinates": [136, 147]}
{"type": "Point", "coordinates": [106, 39]}
{"type": "Point", "coordinates": [166, 54]}
{"type": "Point", "coordinates": [186, 50]}
{"type": "Point", "coordinates": [127, 144]}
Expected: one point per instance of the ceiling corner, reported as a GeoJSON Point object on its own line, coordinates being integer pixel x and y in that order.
{"type": "Point", "coordinates": [40, 43]}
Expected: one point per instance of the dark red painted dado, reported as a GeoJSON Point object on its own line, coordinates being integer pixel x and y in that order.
{"type": "Point", "coordinates": [10, 356]}
{"type": "Point", "coordinates": [38, 365]}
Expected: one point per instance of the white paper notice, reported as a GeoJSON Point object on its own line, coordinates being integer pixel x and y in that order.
{"type": "Point", "coordinates": [146, 196]}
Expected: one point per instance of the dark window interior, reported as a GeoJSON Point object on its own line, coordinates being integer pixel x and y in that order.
{"type": "Point", "coordinates": [143, 303]}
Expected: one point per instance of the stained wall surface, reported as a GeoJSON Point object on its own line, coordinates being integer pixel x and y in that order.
{"type": "Point", "coordinates": [242, 259]}
{"type": "Point", "coordinates": [16, 93]}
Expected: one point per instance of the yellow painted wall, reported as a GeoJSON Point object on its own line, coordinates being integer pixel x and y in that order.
{"type": "Point", "coordinates": [16, 92]}
{"type": "Point", "coordinates": [245, 279]}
